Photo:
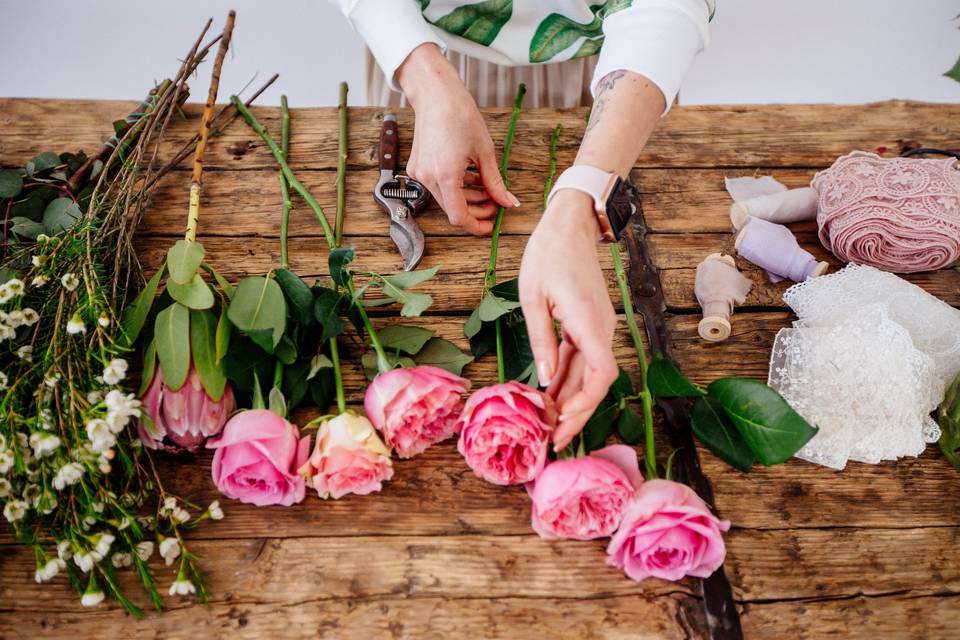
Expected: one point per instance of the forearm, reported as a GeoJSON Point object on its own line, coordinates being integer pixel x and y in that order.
{"type": "Point", "coordinates": [625, 111]}
{"type": "Point", "coordinates": [425, 72]}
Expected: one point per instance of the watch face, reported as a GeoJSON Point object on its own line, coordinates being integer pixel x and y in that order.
{"type": "Point", "coordinates": [621, 205]}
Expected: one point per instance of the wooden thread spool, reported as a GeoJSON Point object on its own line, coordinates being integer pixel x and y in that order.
{"type": "Point", "coordinates": [717, 309]}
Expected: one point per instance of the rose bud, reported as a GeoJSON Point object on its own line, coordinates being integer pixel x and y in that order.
{"type": "Point", "coordinates": [667, 532]}
{"type": "Point", "coordinates": [257, 458]}
{"type": "Point", "coordinates": [583, 498]}
{"type": "Point", "coordinates": [349, 457]}
{"type": "Point", "coordinates": [415, 407]}
{"type": "Point", "coordinates": [183, 419]}
{"type": "Point", "coordinates": [505, 429]}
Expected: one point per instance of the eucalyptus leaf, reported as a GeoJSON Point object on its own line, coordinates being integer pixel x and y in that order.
{"type": "Point", "coordinates": [298, 295]}
{"type": "Point", "coordinates": [404, 338]}
{"type": "Point", "coordinates": [338, 261]}
{"type": "Point", "coordinates": [172, 334]}
{"type": "Point", "coordinates": [26, 228]}
{"type": "Point", "coordinates": [409, 279]}
{"type": "Point", "coordinates": [42, 162]}
{"type": "Point", "coordinates": [203, 346]}
{"type": "Point", "coordinates": [630, 425]}
{"type": "Point", "coordinates": [413, 303]}
{"type": "Point", "coordinates": [443, 354]}
{"type": "Point", "coordinates": [224, 331]}
{"type": "Point", "coordinates": [31, 207]}
{"type": "Point", "coordinates": [665, 380]}
{"type": "Point", "coordinates": [228, 289]}
{"type": "Point", "coordinates": [183, 260]}
{"type": "Point", "coordinates": [263, 338]}
{"type": "Point", "coordinates": [149, 368]}
{"type": "Point", "coordinates": [770, 427]}
{"type": "Point", "coordinates": [135, 314]}
{"type": "Point", "coordinates": [717, 433]}
{"type": "Point", "coordinates": [60, 215]}
{"type": "Point", "coordinates": [258, 303]}
{"type": "Point", "coordinates": [194, 295]}
{"type": "Point", "coordinates": [10, 183]}
{"type": "Point", "coordinates": [326, 306]}
{"type": "Point", "coordinates": [492, 307]}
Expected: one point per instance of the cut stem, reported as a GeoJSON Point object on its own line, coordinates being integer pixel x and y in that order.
{"type": "Point", "coordinates": [646, 399]}
{"type": "Point", "coordinates": [552, 169]}
{"type": "Point", "coordinates": [292, 179]}
{"type": "Point", "coordinates": [284, 187]}
{"type": "Point", "coordinates": [341, 166]}
{"type": "Point", "coordinates": [337, 375]}
{"type": "Point", "coordinates": [194, 212]}
{"type": "Point", "coordinates": [383, 364]}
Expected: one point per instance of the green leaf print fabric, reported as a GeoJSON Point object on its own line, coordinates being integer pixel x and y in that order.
{"type": "Point", "coordinates": [480, 22]}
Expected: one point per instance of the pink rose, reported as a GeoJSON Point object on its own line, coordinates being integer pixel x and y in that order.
{"type": "Point", "coordinates": [257, 456]}
{"type": "Point", "coordinates": [185, 418]}
{"type": "Point", "coordinates": [415, 407]}
{"type": "Point", "coordinates": [583, 498]}
{"type": "Point", "coordinates": [349, 457]}
{"type": "Point", "coordinates": [668, 532]}
{"type": "Point", "coordinates": [505, 429]}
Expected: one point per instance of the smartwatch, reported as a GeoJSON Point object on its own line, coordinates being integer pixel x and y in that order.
{"type": "Point", "coordinates": [614, 198]}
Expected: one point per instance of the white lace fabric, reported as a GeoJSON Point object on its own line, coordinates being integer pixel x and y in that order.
{"type": "Point", "coordinates": [867, 361]}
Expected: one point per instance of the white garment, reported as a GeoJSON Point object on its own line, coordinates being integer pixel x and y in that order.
{"type": "Point", "coordinates": [867, 362]}
{"type": "Point", "coordinates": [655, 38]}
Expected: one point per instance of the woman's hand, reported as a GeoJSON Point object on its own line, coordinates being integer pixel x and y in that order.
{"type": "Point", "coordinates": [560, 279]}
{"type": "Point", "coordinates": [449, 137]}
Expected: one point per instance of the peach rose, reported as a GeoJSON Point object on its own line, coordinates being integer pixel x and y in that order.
{"type": "Point", "coordinates": [349, 457]}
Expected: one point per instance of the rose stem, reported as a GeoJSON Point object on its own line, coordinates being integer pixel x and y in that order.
{"type": "Point", "coordinates": [341, 165]}
{"type": "Point", "coordinates": [552, 170]}
{"type": "Point", "coordinates": [490, 279]}
{"type": "Point", "coordinates": [194, 212]}
{"type": "Point", "coordinates": [646, 399]}
{"type": "Point", "coordinates": [284, 187]}
{"type": "Point", "coordinates": [292, 179]}
{"type": "Point", "coordinates": [383, 365]}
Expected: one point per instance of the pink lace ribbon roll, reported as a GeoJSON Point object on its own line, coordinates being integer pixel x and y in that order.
{"type": "Point", "coordinates": [775, 249]}
{"type": "Point", "coordinates": [897, 214]}
{"type": "Point", "coordinates": [718, 286]}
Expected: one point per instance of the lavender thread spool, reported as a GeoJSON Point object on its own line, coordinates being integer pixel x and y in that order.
{"type": "Point", "coordinates": [775, 249]}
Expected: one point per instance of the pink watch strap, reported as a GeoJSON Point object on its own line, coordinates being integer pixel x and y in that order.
{"type": "Point", "coordinates": [592, 181]}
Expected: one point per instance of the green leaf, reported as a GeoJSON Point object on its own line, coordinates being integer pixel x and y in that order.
{"type": "Point", "coordinates": [224, 330]}
{"type": "Point", "coordinates": [717, 433]}
{"type": "Point", "coordinates": [228, 289]}
{"type": "Point", "coordinates": [408, 279]}
{"type": "Point", "coordinates": [508, 289]}
{"type": "Point", "coordinates": [298, 295]}
{"type": "Point", "coordinates": [286, 351]}
{"type": "Point", "coordinates": [295, 383]}
{"type": "Point", "coordinates": [622, 386]}
{"type": "Point", "coordinates": [135, 315]}
{"type": "Point", "coordinates": [630, 425]}
{"type": "Point", "coordinates": [665, 380]}
{"type": "Point", "coordinates": [60, 215]}
{"type": "Point", "coordinates": [771, 428]}
{"type": "Point", "coordinates": [954, 71]}
{"type": "Point", "coordinates": [600, 425]}
{"type": "Point", "coordinates": [259, 304]}
{"type": "Point", "coordinates": [404, 338]}
{"type": "Point", "coordinates": [413, 303]}
{"type": "Point", "coordinates": [183, 260]}
{"type": "Point", "coordinates": [318, 362]}
{"type": "Point", "coordinates": [263, 338]}
{"type": "Point", "coordinates": [322, 389]}
{"type": "Point", "coordinates": [369, 362]}
{"type": "Point", "coordinates": [42, 162]}
{"type": "Point", "coordinates": [480, 22]}
{"type": "Point", "coordinates": [444, 354]}
{"type": "Point", "coordinates": [492, 307]}
{"type": "Point", "coordinates": [10, 183]}
{"type": "Point", "coordinates": [32, 207]}
{"type": "Point", "coordinates": [338, 261]}
{"type": "Point", "coordinates": [172, 334]}
{"type": "Point", "coordinates": [203, 346]}
{"type": "Point", "coordinates": [149, 367]}
{"type": "Point", "coordinates": [277, 403]}
{"type": "Point", "coordinates": [473, 325]}
{"type": "Point", "coordinates": [26, 228]}
{"type": "Point", "coordinates": [557, 32]}
{"type": "Point", "coordinates": [326, 311]}
{"type": "Point", "coordinates": [194, 295]}
{"type": "Point", "coordinates": [243, 360]}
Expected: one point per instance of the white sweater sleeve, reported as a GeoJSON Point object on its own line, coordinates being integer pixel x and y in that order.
{"type": "Point", "coordinates": [655, 38]}
{"type": "Point", "coordinates": [391, 29]}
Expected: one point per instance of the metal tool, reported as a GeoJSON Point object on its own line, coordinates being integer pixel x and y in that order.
{"type": "Point", "coordinates": [400, 196]}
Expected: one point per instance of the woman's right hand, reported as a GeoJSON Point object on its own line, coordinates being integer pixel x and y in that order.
{"type": "Point", "coordinates": [450, 137]}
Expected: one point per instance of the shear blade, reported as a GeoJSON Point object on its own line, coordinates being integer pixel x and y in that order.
{"type": "Point", "coordinates": [409, 240]}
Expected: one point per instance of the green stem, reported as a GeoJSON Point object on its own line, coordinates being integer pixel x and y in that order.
{"type": "Point", "coordinates": [337, 374]}
{"type": "Point", "coordinates": [552, 170]}
{"type": "Point", "coordinates": [341, 165]}
{"type": "Point", "coordinates": [383, 365]}
{"type": "Point", "coordinates": [284, 187]}
{"type": "Point", "coordinates": [646, 399]}
{"type": "Point", "coordinates": [490, 278]}
{"type": "Point", "coordinates": [285, 168]}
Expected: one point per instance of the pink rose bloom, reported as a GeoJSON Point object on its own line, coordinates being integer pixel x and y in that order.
{"type": "Point", "coordinates": [257, 458]}
{"type": "Point", "coordinates": [583, 498]}
{"type": "Point", "coordinates": [185, 418]}
{"type": "Point", "coordinates": [349, 457]}
{"type": "Point", "coordinates": [668, 532]}
{"type": "Point", "coordinates": [505, 431]}
{"type": "Point", "coordinates": [415, 407]}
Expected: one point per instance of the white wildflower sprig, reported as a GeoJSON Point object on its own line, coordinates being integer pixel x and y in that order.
{"type": "Point", "coordinates": [70, 282]}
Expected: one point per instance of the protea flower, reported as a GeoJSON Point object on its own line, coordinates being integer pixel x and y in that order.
{"type": "Point", "coordinates": [183, 419]}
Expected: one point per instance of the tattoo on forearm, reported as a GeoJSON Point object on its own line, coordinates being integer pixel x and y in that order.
{"type": "Point", "coordinates": [600, 102]}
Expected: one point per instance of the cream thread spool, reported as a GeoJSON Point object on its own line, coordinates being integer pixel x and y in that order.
{"type": "Point", "coordinates": [792, 205]}
{"type": "Point", "coordinates": [718, 308]}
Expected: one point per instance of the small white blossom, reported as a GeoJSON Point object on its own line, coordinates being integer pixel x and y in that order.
{"type": "Point", "coordinates": [145, 550]}
{"type": "Point", "coordinates": [7, 332]}
{"type": "Point", "coordinates": [44, 444]}
{"type": "Point", "coordinates": [169, 549]}
{"type": "Point", "coordinates": [39, 281]}
{"type": "Point", "coordinates": [15, 287]}
{"type": "Point", "coordinates": [104, 543]}
{"type": "Point", "coordinates": [95, 397]}
{"type": "Point", "coordinates": [16, 509]}
{"type": "Point", "coordinates": [64, 551]}
{"type": "Point", "coordinates": [216, 513]}
{"type": "Point", "coordinates": [25, 353]}
{"type": "Point", "coordinates": [92, 596]}
{"type": "Point", "coordinates": [169, 504]}
{"type": "Point", "coordinates": [85, 560]}
{"type": "Point", "coordinates": [75, 325]}
{"type": "Point", "coordinates": [70, 281]}
{"type": "Point", "coordinates": [181, 587]}
{"type": "Point", "coordinates": [49, 570]}
{"type": "Point", "coordinates": [68, 474]}
{"type": "Point", "coordinates": [15, 319]}
{"type": "Point", "coordinates": [41, 238]}
{"type": "Point", "coordinates": [5, 488]}
{"type": "Point", "coordinates": [31, 494]}
{"type": "Point", "coordinates": [38, 260]}
{"type": "Point", "coordinates": [121, 560]}
{"type": "Point", "coordinates": [5, 294]}
{"type": "Point", "coordinates": [100, 434]}
{"type": "Point", "coordinates": [6, 460]}
{"type": "Point", "coordinates": [51, 380]}
{"type": "Point", "coordinates": [103, 321]}
{"type": "Point", "coordinates": [124, 406]}
{"type": "Point", "coordinates": [124, 524]}
{"type": "Point", "coordinates": [3, 381]}
{"type": "Point", "coordinates": [98, 507]}
{"type": "Point", "coordinates": [115, 371]}
{"type": "Point", "coordinates": [30, 316]}
{"type": "Point", "coordinates": [180, 515]}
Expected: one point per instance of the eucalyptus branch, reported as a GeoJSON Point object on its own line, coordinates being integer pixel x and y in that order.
{"type": "Point", "coordinates": [284, 188]}
{"type": "Point", "coordinates": [341, 165]}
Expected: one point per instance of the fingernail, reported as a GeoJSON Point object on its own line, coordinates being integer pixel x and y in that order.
{"type": "Point", "coordinates": [562, 417]}
{"type": "Point", "coordinates": [543, 373]}
{"type": "Point", "coordinates": [514, 200]}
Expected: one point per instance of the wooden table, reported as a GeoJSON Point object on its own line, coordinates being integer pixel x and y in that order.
{"type": "Point", "coordinates": [867, 553]}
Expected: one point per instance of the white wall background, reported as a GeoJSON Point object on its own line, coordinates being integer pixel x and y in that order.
{"type": "Point", "coordinates": [761, 50]}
